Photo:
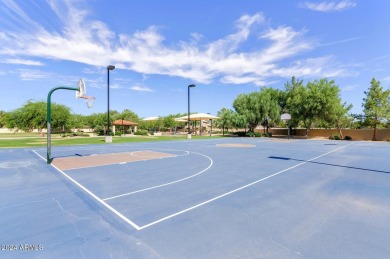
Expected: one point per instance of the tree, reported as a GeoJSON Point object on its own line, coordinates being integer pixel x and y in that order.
{"type": "Point", "coordinates": [319, 101]}
{"type": "Point", "coordinates": [2, 118]}
{"type": "Point", "coordinates": [269, 106]}
{"type": "Point", "coordinates": [248, 105]}
{"type": "Point", "coordinates": [257, 107]}
{"type": "Point", "coordinates": [77, 121]}
{"type": "Point", "coordinates": [295, 94]}
{"type": "Point", "coordinates": [126, 114]}
{"type": "Point", "coordinates": [33, 115]}
{"type": "Point", "coordinates": [98, 122]}
{"type": "Point", "coordinates": [239, 121]}
{"type": "Point", "coordinates": [340, 118]}
{"type": "Point", "coordinates": [169, 122]}
{"type": "Point", "coordinates": [376, 105]}
{"type": "Point", "coordinates": [225, 119]}
{"type": "Point", "coordinates": [60, 117]}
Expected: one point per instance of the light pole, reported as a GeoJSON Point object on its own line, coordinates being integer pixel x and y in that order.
{"type": "Point", "coordinates": [108, 136]}
{"type": "Point", "coordinates": [189, 133]}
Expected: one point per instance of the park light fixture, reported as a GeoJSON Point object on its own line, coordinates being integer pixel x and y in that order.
{"type": "Point", "coordinates": [189, 130]}
{"type": "Point", "coordinates": [108, 136]}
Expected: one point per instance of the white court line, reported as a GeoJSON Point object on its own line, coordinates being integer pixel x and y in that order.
{"type": "Point", "coordinates": [238, 189]}
{"type": "Point", "coordinates": [165, 184]}
{"type": "Point", "coordinates": [173, 155]}
{"type": "Point", "coordinates": [94, 196]}
{"type": "Point", "coordinates": [188, 209]}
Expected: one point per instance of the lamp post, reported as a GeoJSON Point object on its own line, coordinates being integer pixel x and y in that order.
{"type": "Point", "coordinates": [189, 133]}
{"type": "Point", "coordinates": [108, 136]}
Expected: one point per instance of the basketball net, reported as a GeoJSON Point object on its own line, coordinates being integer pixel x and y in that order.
{"type": "Point", "coordinates": [89, 100]}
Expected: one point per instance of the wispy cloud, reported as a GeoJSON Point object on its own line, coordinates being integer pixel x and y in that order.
{"type": "Point", "coordinates": [22, 62]}
{"type": "Point", "coordinates": [141, 89]}
{"type": "Point", "coordinates": [339, 42]}
{"type": "Point", "coordinates": [327, 6]}
{"type": "Point", "coordinates": [33, 74]}
{"type": "Point", "coordinates": [92, 42]}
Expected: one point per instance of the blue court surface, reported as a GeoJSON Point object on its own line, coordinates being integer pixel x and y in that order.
{"type": "Point", "coordinates": [214, 198]}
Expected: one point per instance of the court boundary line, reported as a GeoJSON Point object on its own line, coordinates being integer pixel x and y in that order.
{"type": "Point", "coordinates": [137, 227]}
{"type": "Point", "coordinates": [120, 215]}
{"type": "Point", "coordinates": [238, 189]}
{"type": "Point", "coordinates": [169, 183]}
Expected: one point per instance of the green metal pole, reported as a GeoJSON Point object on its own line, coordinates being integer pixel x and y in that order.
{"type": "Point", "coordinates": [48, 154]}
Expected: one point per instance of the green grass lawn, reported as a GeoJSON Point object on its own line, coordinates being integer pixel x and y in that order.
{"type": "Point", "coordinates": [22, 141]}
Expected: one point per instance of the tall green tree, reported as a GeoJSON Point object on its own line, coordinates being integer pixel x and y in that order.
{"type": "Point", "coordinates": [376, 105]}
{"type": "Point", "coordinates": [98, 121]}
{"type": "Point", "coordinates": [316, 102]}
{"type": "Point", "coordinates": [33, 115]}
{"type": "Point", "coordinates": [169, 122]}
{"type": "Point", "coordinates": [269, 106]}
{"type": "Point", "coordinates": [126, 114]}
{"type": "Point", "coordinates": [239, 121]}
{"type": "Point", "coordinates": [295, 94]}
{"type": "Point", "coordinates": [257, 107]}
{"type": "Point", "coordinates": [77, 121]}
{"type": "Point", "coordinates": [61, 117]}
{"type": "Point", "coordinates": [2, 119]}
{"type": "Point", "coordinates": [225, 119]}
{"type": "Point", "coordinates": [339, 118]}
{"type": "Point", "coordinates": [248, 105]}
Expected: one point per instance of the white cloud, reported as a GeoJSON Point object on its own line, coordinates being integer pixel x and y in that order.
{"type": "Point", "coordinates": [22, 62]}
{"type": "Point", "coordinates": [33, 74]}
{"type": "Point", "coordinates": [141, 89]}
{"type": "Point", "coordinates": [115, 86]}
{"type": "Point", "coordinates": [339, 42]}
{"type": "Point", "coordinates": [327, 6]}
{"type": "Point", "coordinates": [93, 43]}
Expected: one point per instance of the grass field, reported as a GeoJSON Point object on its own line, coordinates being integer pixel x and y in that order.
{"type": "Point", "coordinates": [32, 140]}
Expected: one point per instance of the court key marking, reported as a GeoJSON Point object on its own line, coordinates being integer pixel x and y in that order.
{"type": "Point", "coordinates": [137, 227]}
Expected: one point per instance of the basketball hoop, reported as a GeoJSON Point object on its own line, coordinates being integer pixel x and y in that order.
{"type": "Point", "coordinates": [82, 89]}
{"type": "Point", "coordinates": [89, 100]}
{"type": "Point", "coordinates": [286, 118]}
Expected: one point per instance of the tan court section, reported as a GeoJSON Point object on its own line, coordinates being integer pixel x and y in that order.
{"type": "Point", "coordinates": [75, 162]}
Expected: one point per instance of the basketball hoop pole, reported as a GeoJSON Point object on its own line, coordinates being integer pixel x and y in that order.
{"type": "Point", "coordinates": [48, 155]}
{"type": "Point", "coordinates": [286, 118]}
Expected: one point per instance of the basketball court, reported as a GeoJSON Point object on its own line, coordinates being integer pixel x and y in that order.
{"type": "Point", "coordinates": [214, 198]}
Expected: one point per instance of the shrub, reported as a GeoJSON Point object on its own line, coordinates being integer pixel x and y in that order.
{"type": "Point", "coordinates": [268, 134]}
{"type": "Point", "coordinates": [250, 134]}
{"type": "Point", "coordinates": [334, 137]}
{"type": "Point", "coordinates": [141, 133]}
{"type": "Point", "coordinates": [348, 138]}
{"type": "Point", "coordinates": [257, 134]}
{"type": "Point", "coordinates": [240, 133]}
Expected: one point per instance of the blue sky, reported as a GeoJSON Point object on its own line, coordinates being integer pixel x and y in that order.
{"type": "Point", "coordinates": [160, 47]}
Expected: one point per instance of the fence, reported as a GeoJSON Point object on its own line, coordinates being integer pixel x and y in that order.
{"type": "Point", "coordinates": [356, 134]}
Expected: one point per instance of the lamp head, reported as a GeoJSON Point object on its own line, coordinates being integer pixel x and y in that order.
{"type": "Point", "coordinates": [192, 85]}
{"type": "Point", "coordinates": [110, 67]}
